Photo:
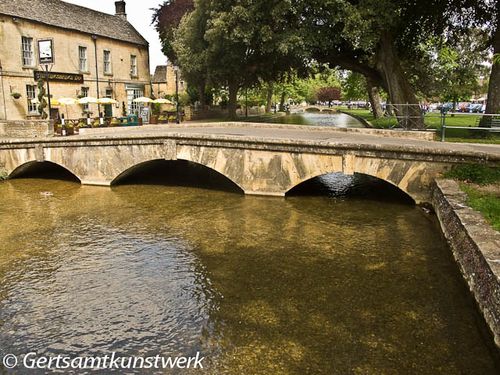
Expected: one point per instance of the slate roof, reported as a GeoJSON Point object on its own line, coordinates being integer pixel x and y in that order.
{"type": "Point", "coordinates": [160, 75]}
{"type": "Point", "coordinates": [74, 17]}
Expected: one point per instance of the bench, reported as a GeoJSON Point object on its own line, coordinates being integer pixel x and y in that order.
{"type": "Point", "coordinates": [488, 122]}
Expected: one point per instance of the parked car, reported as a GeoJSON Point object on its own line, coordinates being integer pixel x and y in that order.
{"type": "Point", "coordinates": [445, 107]}
{"type": "Point", "coordinates": [475, 108]}
{"type": "Point", "coordinates": [433, 107]}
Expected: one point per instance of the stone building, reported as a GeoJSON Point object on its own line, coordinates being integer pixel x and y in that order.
{"type": "Point", "coordinates": [163, 81]}
{"type": "Point", "coordinates": [94, 54]}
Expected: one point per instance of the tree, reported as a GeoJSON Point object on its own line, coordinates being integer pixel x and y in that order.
{"type": "Point", "coordinates": [354, 86]}
{"type": "Point", "coordinates": [166, 19]}
{"type": "Point", "coordinates": [328, 94]}
{"type": "Point", "coordinates": [493, 104]}
{"type": "Point", "coordinates": [238, 43]}
{"type": "Point", "coordinates": [380, 39]}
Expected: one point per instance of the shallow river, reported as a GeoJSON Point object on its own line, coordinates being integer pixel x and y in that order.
{"type": "Point", "coordinates": [311, 284]}
{"type": "Point", "coordinates": [337, 120]}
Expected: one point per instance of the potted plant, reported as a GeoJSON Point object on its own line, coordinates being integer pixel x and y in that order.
{"type": "Point", "coordinates": [70, 129]}
{"type": "Point", "coordinates": [155, 112]}
{"type": "Point", "coordinates": [172, 119]}
{"type": "Point", "coordinates": [163, 119]}
{"type": "Point", "coordinates": [16, 95]}
{"type": "Point", "coordinates": [114, 122]}
{"type": "Point", "coordinates": [58, 128]}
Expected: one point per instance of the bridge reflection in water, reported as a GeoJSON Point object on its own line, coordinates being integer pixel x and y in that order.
{"type": "Point", "coordinates": [185, 173]}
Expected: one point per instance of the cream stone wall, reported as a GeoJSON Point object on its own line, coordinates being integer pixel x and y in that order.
{"type": "Point", "coordinates": [168, 87]}
{"type": "Point", "coordinates": [15, 76]}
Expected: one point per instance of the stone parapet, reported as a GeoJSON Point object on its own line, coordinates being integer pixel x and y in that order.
{"type": "Point", "coordinates": [427, 135]}
{"type": "Point", "coordinates": [26, 128]}
{"type": "Point", "coordinates": [476, 248]}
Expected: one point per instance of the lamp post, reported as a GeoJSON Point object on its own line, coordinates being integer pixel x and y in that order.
{"type": "Point", "coordinates": [246, 101]}
{"type": "Point", "coordinates": [46, 59]}
{"type": "Point", "coordinates": [94, 38]}
{"type": "Point", "coordinates": [3, 92]}
{"type": "Point", "coordinates": [178, 117]}
{"type": "Point", "coordinates": [48, 89]}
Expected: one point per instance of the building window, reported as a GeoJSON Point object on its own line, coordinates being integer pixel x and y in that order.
{"type": "Point", "coordinates": [134, 93]}
{"type": "Point", "coordinates": [85, 93]}
{"type": "Point", "coordinates": [107, 62]}
{"type": "Point", "coordinates": [31, 95]}
{"type": "Point", "coordinates": [82, 56]}
{"type": "Point", "coordinates": [27, 46]}
{"type": "Point", "coordinates": [133, 65]}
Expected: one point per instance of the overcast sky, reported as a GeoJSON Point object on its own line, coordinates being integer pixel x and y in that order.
{"type": "Point", "coordinates": [139, 15]}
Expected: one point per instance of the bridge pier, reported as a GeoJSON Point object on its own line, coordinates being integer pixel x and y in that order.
{"type": "Point", "coordinates": [96, 183]}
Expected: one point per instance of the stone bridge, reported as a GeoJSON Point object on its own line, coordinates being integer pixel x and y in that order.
{"type": "Point", "coordinates": [260, 159]}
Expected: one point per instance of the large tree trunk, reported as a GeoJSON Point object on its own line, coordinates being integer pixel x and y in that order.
{"type": "Point", "coordinates": [282, 101]}
{"type": "Point", "coordinates": [374, 96]}
{"type": "Point", "coordinates": [400, 91]}
{"type": "Point", "coordinates": [201, 93]}
{"type": "Point", "coordinates": [233, 100]}
{"type": "Point", "coordinates": [269, 99]}
{"type": "Point", "coordinates": [493, 103]}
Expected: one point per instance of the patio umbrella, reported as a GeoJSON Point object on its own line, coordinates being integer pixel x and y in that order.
{"type": "Point", "coordinates": [87, 100]}
{"type": "Point", "coordinates": [53, 102]}
{"type": "Point", "coordinates": [66, 102]}
{"type": "Point", "coordinates": [106, 101]}
{"type": "Point", "coordinates": [162, 101]}
{"type": "Point", "coordinates": [143, 99]}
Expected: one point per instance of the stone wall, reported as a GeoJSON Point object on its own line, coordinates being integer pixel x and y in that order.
{"type": "Point", "coordinates": [476, 248]}
{"type": "Point", "coordinates": [26, 129]}
{"type": "Point", "coordinates": [66, 43]}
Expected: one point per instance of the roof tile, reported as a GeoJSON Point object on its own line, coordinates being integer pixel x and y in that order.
{"type": "Point", "coordinates": [74, 17]}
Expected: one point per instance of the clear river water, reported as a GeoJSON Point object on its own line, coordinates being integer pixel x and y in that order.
{"type": "Point", "coordinates": [338, 120]}
{"type": "Point", "coordinates": [339, 277]}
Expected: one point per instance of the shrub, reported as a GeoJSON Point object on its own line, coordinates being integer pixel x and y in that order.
{"type": "Point", "coordinates": [475, 173]}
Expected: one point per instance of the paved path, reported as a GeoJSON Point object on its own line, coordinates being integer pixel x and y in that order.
{"type": "Point", "coordinates": [268, 132]}
{"type": "Point", "coordinates": [311, 136]}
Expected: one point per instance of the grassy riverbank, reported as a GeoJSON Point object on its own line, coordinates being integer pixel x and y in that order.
{"type": "Point", "coordinates": [433, 121]}
{"type": "Point", "coordinates": [482, 186]}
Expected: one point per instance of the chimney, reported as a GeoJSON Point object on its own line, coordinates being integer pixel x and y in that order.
{"type": "Point", "coordinates": [120, 9]}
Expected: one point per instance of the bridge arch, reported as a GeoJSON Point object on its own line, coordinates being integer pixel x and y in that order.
{"type": "Point", "coordinates": [43, 169]}
{"type": "Point", "coordinates": [412, 178]}
{"type": "Point", "coordinates": [178, 165]}
{"type": "Point", "coordinates": [371, 182]}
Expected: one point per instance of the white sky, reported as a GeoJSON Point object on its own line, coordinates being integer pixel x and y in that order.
{"type": "Point", "coordinates": [139, 15]}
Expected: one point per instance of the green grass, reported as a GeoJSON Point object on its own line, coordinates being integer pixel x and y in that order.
{"type": "Point", "coordinates": [473, 177]}
{"type": "Point", "coordinates": [486, 203]}
{"type": "Point", "coordinates": [433, 121]}
{"type": "Point", "coordinates": [475, 174]}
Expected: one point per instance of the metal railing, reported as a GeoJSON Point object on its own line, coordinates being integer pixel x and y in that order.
{"type": "Point", "coordinates": [485, 123]}
{"type": "Point", "coordinates": [408, 116]}
{"type": "Point", "coordinates": [414, 116]}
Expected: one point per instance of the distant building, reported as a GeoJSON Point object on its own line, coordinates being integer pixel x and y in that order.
{"type": "Point", "coordinates": [95, 54]}
{"type": "Point", "coordinates": [163, 81]}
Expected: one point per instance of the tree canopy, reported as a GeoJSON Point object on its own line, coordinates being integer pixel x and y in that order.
{"type": "Point", "coordinates": [409, 49]}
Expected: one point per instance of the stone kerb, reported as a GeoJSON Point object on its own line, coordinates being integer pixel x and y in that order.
{"type": "Point", "coordinates": [476, 248]}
